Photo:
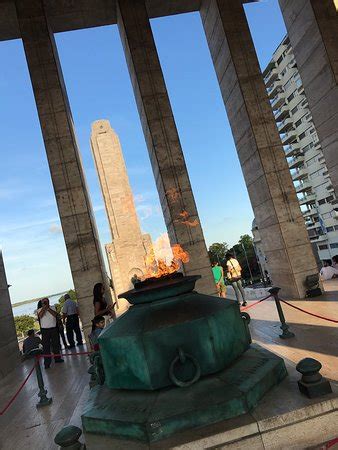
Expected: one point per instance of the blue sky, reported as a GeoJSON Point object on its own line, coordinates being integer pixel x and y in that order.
{"type": "Point", "coordinates": [98, 86]}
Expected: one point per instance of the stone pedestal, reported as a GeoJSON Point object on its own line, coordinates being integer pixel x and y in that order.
{"type": "Point", "coordinates": [149, 416]}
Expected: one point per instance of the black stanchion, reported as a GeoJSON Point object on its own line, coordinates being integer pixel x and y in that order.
{"type": "Point", "coordinates": [44, 400]}
{"type": "Point", "coordinates": [284, 326]}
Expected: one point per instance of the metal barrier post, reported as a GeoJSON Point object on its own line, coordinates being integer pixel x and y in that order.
{"type": "Point", "coordinates": [44, 400]}
{"type": "Point", "coordinates": [284, 326]}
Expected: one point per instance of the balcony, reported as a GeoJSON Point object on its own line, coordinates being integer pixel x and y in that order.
{"type": "Point", "coordinates": [278, 101]}
{"type": "Point", "coordinates": [288, 137]}
{"type": "Point", "coordinates": [282, 113]}
{"type": "Point", "coordinates": [296, 161]}
{"type": "Point", "coordinates": [291, 149]}
{"type": "Point", "coordinates": [274, 88]}
{"type": "Point", "coordinates": [271, 76]}
{"type": "Point", "coordinates": [307, 199]}
{"type": "Point", "coordinates": [303, 186]}
{"type": "Point", "coordinates": [285, 125]}
{"type": "Point", "coordinates": [310, 212]}
{"type": "Point", "coordinates": [299, 174]}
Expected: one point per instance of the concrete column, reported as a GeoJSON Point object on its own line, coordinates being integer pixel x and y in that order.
{"type": "Point", "coordinates": [9, 350]}
{"type": "Point", "coordinates": [313, 31]}
{"type": "Point", "coordinates": [284, 237]}
{"type": "Point", "coordinates": [162, 139]}
{"type": "Point", "coordinates": [76, 215]}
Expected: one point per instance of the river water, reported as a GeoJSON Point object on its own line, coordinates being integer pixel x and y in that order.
{"type": "Point", "coordinates": [29, 308]}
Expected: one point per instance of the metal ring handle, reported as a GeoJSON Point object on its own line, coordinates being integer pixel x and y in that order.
{"type": "Point", "coordinates": [182, 358]}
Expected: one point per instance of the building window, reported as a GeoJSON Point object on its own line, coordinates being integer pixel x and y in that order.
{"type": "Point", "coordinates": [323, 247]}
{"type": "Point", "coordinates": [308, 147]}
{"type": "Point", "coordinates": [292, 96]}
{"type": "Point", "coordinates": [329, 199]}
{"type": "Point", "coordinates": [280, 59]}
{"type": "Point", "coordinates": [298, 122]}
{"type": "Point", "coordinates": [294, 110]}
{"type": "Point", "coordinates": [322, 201]}
{"type": "Point", "coordinates": [327, 215]}
{"type": "Point", "coordinates": [334, 245]}
{"type": "Point", "coordinates": [328, 229]}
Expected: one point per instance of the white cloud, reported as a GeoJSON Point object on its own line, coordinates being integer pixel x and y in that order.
{"type": "Point", "coordinates": [144, 211]}
{"type": "Point", "coordinates": [55, 228]}
{"type": "Point", "coordinates": [30, 224]}
{"type": "Point", "coordinates": [98, 208]}
{"type": "Point", "coordinates": [139, 198]}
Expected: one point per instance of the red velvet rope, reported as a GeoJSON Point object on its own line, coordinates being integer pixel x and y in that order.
{"type": "Point", "coordinates": [256, 303]}
{"type": "Point", "coordinates": [11, 401]}
{"type": "Point", "coordinates": [330, 444]}
{"type": "Point", "coordinates": [308, 312]}
{"type": "Point", "coordinates": [17, 392]}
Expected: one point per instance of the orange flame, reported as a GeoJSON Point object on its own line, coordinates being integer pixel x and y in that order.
{"type": "Point", "coordinates": [164, 260]}
{"type": "Point", "coordinates": [184, 218]}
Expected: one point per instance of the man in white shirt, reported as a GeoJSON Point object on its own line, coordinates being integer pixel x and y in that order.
{"type": "Point", "coordinates": [70, 314]}
{"type": "Point", "coordinates": [327, 271]}
{"type": "Point", "coordinates": [49, 331]}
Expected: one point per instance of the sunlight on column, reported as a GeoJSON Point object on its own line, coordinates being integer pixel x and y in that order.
{"type": "Point", "coordinates": [336, 4]}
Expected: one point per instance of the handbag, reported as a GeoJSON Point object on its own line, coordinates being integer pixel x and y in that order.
{"type": "Point", "coordinates": [233, 279]}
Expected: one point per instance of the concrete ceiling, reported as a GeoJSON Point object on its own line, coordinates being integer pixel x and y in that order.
{"type": "Point", "coordinates": [67, 15]}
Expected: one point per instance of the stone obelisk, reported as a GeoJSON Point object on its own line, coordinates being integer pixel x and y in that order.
{"type": "Point", "coordinates": [126, 254]}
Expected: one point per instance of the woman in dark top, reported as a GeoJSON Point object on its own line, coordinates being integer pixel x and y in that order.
{"type": "Point", "coordinates": [101, 308]}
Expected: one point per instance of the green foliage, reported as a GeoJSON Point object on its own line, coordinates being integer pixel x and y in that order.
{"type": "Point", "coordinates": [243, 251]}
{"type": "Point", "coordinates": [62, 300]}
{"type": "Point", "coordinates": [24, 323]}
{"type": "Point", "coordinates": [217, 252]}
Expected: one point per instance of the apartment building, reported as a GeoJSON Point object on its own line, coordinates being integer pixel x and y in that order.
{"type": "Point", "coordinates": [302, 150]}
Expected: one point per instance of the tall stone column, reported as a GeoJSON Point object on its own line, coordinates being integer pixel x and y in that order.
{"type": "Point", "coordinates": [9, 350]}
{"type": "Point", "coordinates": [162, 139]}
{"type": "Point", "coordinates": [313, 31]}
{"type": "Point", "coordinates": [272, 194]}
{"type": "Point", "coordinates": [76, 215]}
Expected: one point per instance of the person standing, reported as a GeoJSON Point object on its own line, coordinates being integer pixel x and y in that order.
{"type": "Point", "coordinates": [234, 275]}
{"type": "Point", "coordinates": [59, 323]}
{"type": "Point", "coordinates": [70, 314]}
{"type": "Point", "coordinates": [49, 332]}
{"type": "Point", "coordinates": [218, 273]}
{"type": "Point", "coordinates": [101, 307]}
{"type": "Point", "coordinates": [335, 262]}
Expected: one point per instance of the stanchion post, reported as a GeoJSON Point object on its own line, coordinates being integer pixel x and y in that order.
{"type": "Point", "coordinates": [284, 326]}
{"type": "Point", "coordinates": [44, 400]}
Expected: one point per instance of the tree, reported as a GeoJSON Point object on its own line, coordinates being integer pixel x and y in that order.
{"type": "Point", "coordinates": [62, 300]}
{"type": "Point", "coordinates": [217, 252]}
{"type": "Point", "coordinates": [244, 252]}
{"type": "Point", "coordinates": [24, 323]}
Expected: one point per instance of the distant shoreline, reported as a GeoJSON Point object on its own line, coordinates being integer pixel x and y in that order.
{"type": "Point", "coordinates": [14, 305]}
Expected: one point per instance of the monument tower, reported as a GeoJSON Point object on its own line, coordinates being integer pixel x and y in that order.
{"type": "Point", "coordinates": [126, 254]}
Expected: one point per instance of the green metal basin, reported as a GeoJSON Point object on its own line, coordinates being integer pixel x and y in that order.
{"type": "Point", "coordinates": [172, 335]}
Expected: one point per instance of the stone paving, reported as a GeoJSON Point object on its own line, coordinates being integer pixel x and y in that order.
{"type": "Point", "coordinates": [23, 426]}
